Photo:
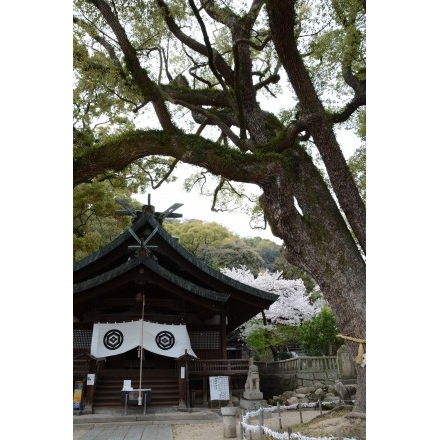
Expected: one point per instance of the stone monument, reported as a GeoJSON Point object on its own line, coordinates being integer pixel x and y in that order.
{"type": "Point", "coordinates": [346, 365]}
{"type": "Point", "coordinates": [252, 396]}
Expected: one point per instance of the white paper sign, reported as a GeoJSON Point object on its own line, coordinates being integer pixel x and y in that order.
{"type": "Point", "coordinates": [90, 379]}
{"type": "Point", "coordinates": [219, 387]}
{"type": "Point", "coordinates": [127, 385]}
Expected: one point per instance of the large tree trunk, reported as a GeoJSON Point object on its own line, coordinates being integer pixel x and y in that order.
{"type": "Point", "coordinates": [321, 245]}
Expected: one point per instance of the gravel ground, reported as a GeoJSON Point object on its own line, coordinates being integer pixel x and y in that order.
{"type": "Point", "coordinates": [214, 430]}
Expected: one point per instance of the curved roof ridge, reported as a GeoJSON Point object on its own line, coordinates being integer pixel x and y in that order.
{"type": "Point", "coordinates": [159, 270]}
{"type": "Point", "coordinates": [209, 270]}
{"type": "Point", "coordinates": [177, 247]}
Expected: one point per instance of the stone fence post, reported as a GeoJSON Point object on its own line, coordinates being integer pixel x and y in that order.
{"type": "Point", "coordinates": [229, 414]}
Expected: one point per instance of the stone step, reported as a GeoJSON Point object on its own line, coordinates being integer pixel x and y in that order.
{"type": "Point", "coordinates": [153, 415]}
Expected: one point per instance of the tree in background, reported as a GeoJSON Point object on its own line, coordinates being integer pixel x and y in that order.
{"type": "Point", "coordinates": [199, 80]}
{"type": "Point", "coordinates": [94, 221]}
{"type": "Point", "coordinates": [214, 244]}
{"type": "Point", "coordinates": [357, 164]}
{"type": "Point", "coordinates": [231, 253]}
{"type": "Point", "coordinates": [195, 235]}
{"type": "Point", "coordinates": [268, 250]}
{"type": "Point", "coordinates": [218, 247]}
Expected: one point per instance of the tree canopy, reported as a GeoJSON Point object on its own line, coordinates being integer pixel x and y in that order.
{"type": "Point", "coordinates": [158, 82]}
{"type": "Point", "coordinates": [94, 220]}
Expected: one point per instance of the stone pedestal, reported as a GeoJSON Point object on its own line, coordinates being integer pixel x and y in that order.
{"type": "Point", "coordinates": [252, 405]}
{"type": "Point", "coordinates": [229, 414]}
{"type": "Point", "coordinates": [253, 395]}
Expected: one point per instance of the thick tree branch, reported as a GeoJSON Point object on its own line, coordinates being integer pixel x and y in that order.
{"type": "Point", "coordinates": [208, 46]}
{"type": "Point", "coordinates": [220, 64]}
{"type": "Point", "coordinates": [208, 97]}
{"type": "Point", "coordinates": [164, 178]}
{"type": "Point", "coordinates": [215, 120]}
{"type": "Point", "coordinates": [145, 84]}
{"type": "Point", "coordinates": [252, 44]}
{"type": "Point", "coordinates": [104, 43]}
{"type": "Point", "coordinates": [238, 78]}
{"type": "Point", "coordinates": [218, 159]}
{"type": "Point", "coordinates": [357, 102]}
{"type": "Point", "coordinates": [224, 14]}
{"type": "Point", "coordinates": [273, 79]}
{"type": "Point", "coordinates": [291, 136]}
{"type": "Point", "coordinates": [281, 18]}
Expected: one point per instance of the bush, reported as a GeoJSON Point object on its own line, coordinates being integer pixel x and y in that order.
{"type": "Point", "coordinates": [317, 337]}
{"type": "Point", "coordinates": [282, 355]}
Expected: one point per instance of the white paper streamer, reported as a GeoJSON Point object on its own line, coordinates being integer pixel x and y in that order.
{"type": "Point", "coordinates": [277, 435]}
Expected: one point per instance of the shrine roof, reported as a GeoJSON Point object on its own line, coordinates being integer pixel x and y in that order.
{"type": "Point", "coordinates": [169, 267]}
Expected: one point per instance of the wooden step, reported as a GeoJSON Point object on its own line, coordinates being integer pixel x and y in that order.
{"type": "Point", "coordinates": [165, 388]}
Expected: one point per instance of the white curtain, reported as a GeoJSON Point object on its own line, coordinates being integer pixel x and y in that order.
{"type": "Point", "coordinates": [119, 337]}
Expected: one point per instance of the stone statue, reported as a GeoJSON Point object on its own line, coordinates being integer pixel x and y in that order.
{"type": "Point", "coordinates": [342, 392]}
{"type": "Point", "coordinates": [253, 380]}
{"type": "Point", "coordinates": [252, 396]}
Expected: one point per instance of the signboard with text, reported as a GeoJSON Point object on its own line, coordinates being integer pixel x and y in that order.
{"type": "Point", "coordinates": [219, 387]}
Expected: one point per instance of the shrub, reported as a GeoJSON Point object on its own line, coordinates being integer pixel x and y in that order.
{"type": "Point", "coordinates": [317, 337]}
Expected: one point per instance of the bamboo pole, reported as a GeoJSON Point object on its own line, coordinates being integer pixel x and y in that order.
{"type": "Point", "coordinates": [141, 350]}
{"type": "Point", "coordinates": [279, 414]}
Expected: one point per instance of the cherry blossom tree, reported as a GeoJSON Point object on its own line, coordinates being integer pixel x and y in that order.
{"type": "Point", "coordinates": [293, 306]}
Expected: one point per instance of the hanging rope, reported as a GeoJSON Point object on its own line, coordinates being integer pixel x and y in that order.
{"type": "Point", "coordinates": [142, 350]}
{"type": "Point", "coordinates": [361, 351]}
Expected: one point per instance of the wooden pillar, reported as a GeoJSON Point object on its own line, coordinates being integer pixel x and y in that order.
{"type": "Point", "coordinates": [223, 333]}
{"type": "Point", "coordinates": [88, 389]}
{"type": "Point", "coordinates": [183, 379]}
{"type": "Point", "coordinates": [205, 390]}
{"type": "Point", "coordinates": [92, 367]}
